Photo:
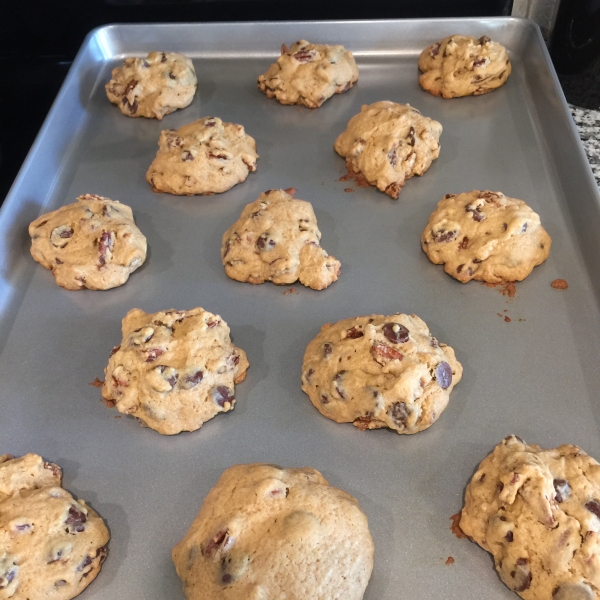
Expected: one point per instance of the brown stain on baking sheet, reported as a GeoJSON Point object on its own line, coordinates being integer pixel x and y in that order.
{"type": "Point", "coordinates": [506, 289]}
{"type": "Point", "coordinates": [358, 177]}
{"type": "Point", "coordinates": [455, 527]}
{"type": "Point", "coordinates": [449, 561]}
{"type": "Point", "coordinates": [96, 383]}
{"type": "Point", "coordinates": [559, 284]}
{"type": "Point", "coordinates": [290, 291]}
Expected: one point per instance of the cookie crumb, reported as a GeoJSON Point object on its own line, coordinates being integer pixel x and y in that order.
{"type": "Point", "coordinates": [507, 319]}
{"type": "Point", "coordinates": [290, 291]}
{"type": "Point", "coordinates": [455, 527]}
{"type": "Point", "coordinates": [109, 403]}
{"type": "Point", "coordinates": [118, 417]}
{"type": "Point", "coordinates": [348, 190]}
{"type": "Point", "coordinates": [559, 284]}
{"type": "Point", "coordinates": [449, 561]}
{"type": "Point", "coordinates": [96, 383]}
{"type": "Point", "coordinates": [358, 177]}
{"type": "Point", "coordinates": [291, 191]}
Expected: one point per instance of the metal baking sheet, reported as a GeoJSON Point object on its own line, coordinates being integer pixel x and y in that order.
{"type": "Point", "coordinates": [535, 376]}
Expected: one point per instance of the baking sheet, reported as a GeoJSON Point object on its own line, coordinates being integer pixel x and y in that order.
{"type": "Point", "coordinates": [535, 376]}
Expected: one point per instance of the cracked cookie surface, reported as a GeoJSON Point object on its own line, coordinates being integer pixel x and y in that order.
{"type": "Point", "coordinates": [205, 157]}
{"type": "Point", "coordinates": [174, 369]}
{"type": "Point", "coordinates": [309, 74]}
{"type": "Point", "coordinates": [380, 371]}
{"type": "Point", "coordinates": [93, 243]}
{"type": "Point", "coordinates": [51, 545]}
{"type": "Point", "coordinates": [388, 143]}
{"type": "Point", "coordinates": [154, 86]}
{"type": "Point", "coordinates": [461, 65]}
{"type": "Point", "coordinates": [267, 532]}
{"type": "Point", "coordinates": [538, 513]}
{"type": "Point", "coordinates": [485, 236]}
{"type": "Point", "coordinates": [277, 239]}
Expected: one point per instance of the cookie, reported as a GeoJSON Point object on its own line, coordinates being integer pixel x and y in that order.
{"type": "Point", "coordinates": [379, 371]}
{"type": "Point", "coordinates": [485, 236]}
{"type": "Point", "coordinates": [309, 74]}
{"type": "Point", "coordinates": [92, 243]}
{"type": "Point", "coordinates": [277, 239]}
{"type": "Point", "coordinates": [154, 86]}
{"type": "Point", "coordinates": [51, 545]}
{"type": "Point", "coordinates": [174, 369]}
{"type": "Point", "coordinates": [388, 143]}
{"type": "Point", "coordinates": [266, 532]}
{"type": "Point", "coordinates": [538, 513]}
{"type": "Point", "coordinates": [205, 157]}
{"type": "Point", "coordinates": [461, 65]}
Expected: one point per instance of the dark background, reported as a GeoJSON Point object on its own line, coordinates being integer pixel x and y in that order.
{"type": "Point", "coordinates": [39, 39]}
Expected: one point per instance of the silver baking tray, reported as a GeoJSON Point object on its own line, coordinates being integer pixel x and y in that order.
{"type": "Point", "coordinates": [536, 376]}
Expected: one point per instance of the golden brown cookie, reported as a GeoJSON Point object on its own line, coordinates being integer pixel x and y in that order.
{"type": "Point", "coordinates": [266, 532]}
{"type": "Point", "coordinates": [378, 371]}
{"type": "Point", "coordinates": [205, 157]}
{"type": "Point", "coordinates": [309, 74]}
{"type": "Point", "coordinates": [485, 236]}
{"type": "Point", "coordinates": [93, 243]}
{"type": "Point", "coordinates": [388, 143]}
{"type": "Point", "coordinates": [277, 239]}
{"type": "Point", "coordinates": [460, 65]}
{"type": "Point", "coordinates": [538, 513]}
{"type": "Point", "coordinates": [153, 86]}
{"type": "Point", "coordinates": [51, 545]}
{"type": "Point", "coordinates": [174, 369]}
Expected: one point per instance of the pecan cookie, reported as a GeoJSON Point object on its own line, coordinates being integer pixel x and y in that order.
{"type": "Point", "coordinates": [174, 369]}
{"type": "Point", "coordinates": [485, 236]}
{"type": "Point", "coordinates": [538, 513]}
{"type": "Point", "coordinates": [51, 545]}
{"type": "Point", "coordinates": [153, 86]}
{"type": "Point", "coordinates": [388, 143]}
{"type": "Point", "coordinates": [309, 74]}
{"type": "Point", "coordinates": [277, 239]}
{"type": "Point", "coordinates": [267, 532]}
{"type": "Point", "coordinates": [378, 371]}
{"type": "Point", "coordinates": [205, 157]}
{"type": "Point", "coordinates": [92, 243]}
{"type": "Point", "coordinates": [460, 65]}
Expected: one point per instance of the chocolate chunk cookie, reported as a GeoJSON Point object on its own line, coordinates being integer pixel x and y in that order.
{"type": "Point", "coordinates": [538, 513]}
{"type": "Point", "coordinates": [267, 532]}
{"type": "Point", "coordinates": [174, 369]}
{"type": "Point", "coordinates": [485, 236]}
{"type": "Point", "coordinates": [380, 371]}
{"type": "Point", "coordinates": [460, 65]}
{"type": "Point", "coordinates": [277, 239]}
{"type": "Point", "coordinates": [153, 86]}
{"type": "Point", "coordinates": [205, 157]}
{"type": "Point", "coordinates": [51, 545]}
{"type": "Point", "coordinates": [309, 74]}
{"type": "Point", "coordinates": [388, 143]}
{"type": "Point", "coordinates": [93, 243]}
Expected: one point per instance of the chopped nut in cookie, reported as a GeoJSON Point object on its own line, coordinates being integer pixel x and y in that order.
{"type": "Point", "coordinates": [379, 371]}
{"type": "Point", "coordinates": [174, 370]}
{"type": "Point", "coordinates": [388, 143]}
{"type": "Point", "coordinates": [277, 239]}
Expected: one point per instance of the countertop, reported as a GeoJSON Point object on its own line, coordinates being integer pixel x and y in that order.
{"type": "Point", "coordinates": [588, 125]}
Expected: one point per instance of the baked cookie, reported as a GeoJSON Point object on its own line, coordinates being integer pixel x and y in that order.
{"type": "Point", "coordinates": [485, 236]}
{"type": "Point", "coordinates": [388, 143]}
{"type": "Point", "coordinates": [277, 239]}
{"type": "Point", "coordinates": [265, 532]}
{"type": "Point", "coordinates": [92, 243]}
{"type": "Point", "coordinates": [174, 369]}
{"type": "Point", "coordinates": [153, 86]}
{"type": "Point", "coordinates": [309, 74]}
{"type": "Point", "coordinates": [538, 513]}
{"type": "Point", "coordinates": [460, 65]}
{"type": "Point", "coordinates": [378, 371]}
{"type": "Point", "coordinates": [51, 545]}
{"type": "Point", "coordinates": [205, 157]}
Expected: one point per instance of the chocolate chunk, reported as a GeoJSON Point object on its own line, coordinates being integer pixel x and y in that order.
{"type": "Point", "coordinates": [353, 333]}
{"type": "Point", "coordinates": [222, 395]}
{"type": "Point", "coordinates": [594, 507]}
{"type": "Point", "coordinates": [76, 520]}
{"type": "Point", "coordinates": [562, 488]}
{"type": "Point", "coordinates": [521, 575]}
{"type": "Point", "coordinates": [443, 236]}
{"type": "Point", "coordinates": [327, 350]}
{"type": "Point", "coordinates": [444, 375]}
{"type": "Point", "coordinates": [396, 333]}
{"type": "Point", "coordinates": [400, 413]}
